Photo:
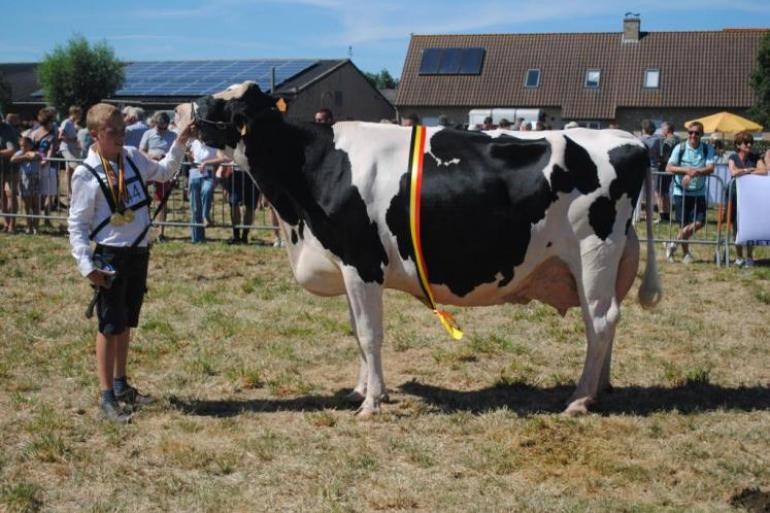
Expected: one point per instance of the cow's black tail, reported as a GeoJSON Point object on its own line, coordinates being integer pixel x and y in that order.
{"type": "Point", "coordinates": [650, 291]}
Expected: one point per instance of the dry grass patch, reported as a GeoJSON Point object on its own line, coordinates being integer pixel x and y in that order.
{"type": "Point", "coordinates": [251, 374]}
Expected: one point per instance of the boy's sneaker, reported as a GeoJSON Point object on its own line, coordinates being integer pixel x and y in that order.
{"type": "Point", "coordinates": [111, 410]}
{"type": "Point", "coordinates": [749, 262]}
{"type": "Point", "coordinates": [670, 249]}
{"type": "Point", "coordinates": [132, 397]}
{"type": "Point", "coordinates": [739, 262]}
{"type": "Point", "coordinates": [688, 259]}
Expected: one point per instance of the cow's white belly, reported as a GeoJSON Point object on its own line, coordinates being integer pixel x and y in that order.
{"type": "Point", "coordinates": [313, 267]}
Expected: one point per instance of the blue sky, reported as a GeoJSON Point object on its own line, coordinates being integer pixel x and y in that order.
{"type": "Point", "coordinates": [377, 31]}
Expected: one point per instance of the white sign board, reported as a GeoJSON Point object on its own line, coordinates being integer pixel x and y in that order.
{"type": "Point", "coordinates": [753, 210]}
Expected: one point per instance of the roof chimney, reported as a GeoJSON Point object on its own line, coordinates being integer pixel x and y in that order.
{"type": "Point", "coordinates": [631, 23]}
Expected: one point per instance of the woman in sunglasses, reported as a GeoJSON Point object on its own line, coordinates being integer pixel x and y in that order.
{"type": "Point", "coordinates": [743, 162]}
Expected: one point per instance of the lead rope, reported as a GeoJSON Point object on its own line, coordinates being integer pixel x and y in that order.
{"type": "Point", "coordinates": [416, 156]}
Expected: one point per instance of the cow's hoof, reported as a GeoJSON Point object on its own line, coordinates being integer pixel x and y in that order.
{"type": "Point", "coordinates": [367, 412]}
{"type": "Point", "coordinates": [355, 396]}
{"type": "Point", "coordinates": [579, 407]}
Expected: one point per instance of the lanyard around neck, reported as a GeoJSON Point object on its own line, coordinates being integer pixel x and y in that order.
{"type": "Point", "coordinates": [118, 189]}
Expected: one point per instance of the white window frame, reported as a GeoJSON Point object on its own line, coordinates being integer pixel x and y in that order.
{"type": "Point", "coordinates": [598, 81]}
{"type": "Point", "coordinates": [647, 73]}
{"type": "Point", "coordinates": [526, 78]}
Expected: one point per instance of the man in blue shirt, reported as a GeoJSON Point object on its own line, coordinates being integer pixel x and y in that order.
{"type": "Point", "coordinates": [690, 163]}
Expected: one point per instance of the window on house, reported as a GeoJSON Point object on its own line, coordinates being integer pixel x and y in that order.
{"type": "Point", "coordinates": [533, 78]}
{"type": "Point", "coordinates": [593, 77]}
{"type": "Point", "coordinates": [451, 61]}
{"type": "Point", "coordinates": [652, 79]}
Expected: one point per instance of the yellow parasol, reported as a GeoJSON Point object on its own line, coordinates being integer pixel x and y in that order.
{"type": "Point", "coordinates": [726, 122]}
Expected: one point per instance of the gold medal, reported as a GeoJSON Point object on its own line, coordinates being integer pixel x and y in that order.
{"type": "Point", "coordinates": [117, 219]}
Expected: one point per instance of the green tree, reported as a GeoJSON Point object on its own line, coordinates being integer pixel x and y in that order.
{"type": "Point", "coordinates": [382, 80]}
{"type": "Point", "coordinates": [760, 82]}
{"type": "Point", "coordinates": [5, 94]}
{"type": "Point", "coordinates": [79, 73]}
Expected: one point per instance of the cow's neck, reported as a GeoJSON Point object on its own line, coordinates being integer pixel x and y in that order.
{"type": "Point", "coordinates": [278, 160]}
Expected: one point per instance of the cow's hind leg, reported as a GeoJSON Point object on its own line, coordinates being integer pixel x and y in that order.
{"type": "Point", "coordinates": [365, 301]}
{"type": "Point", "coordinates": [601, 313]}
{"type": "Point", "coordinates": [629, 263]}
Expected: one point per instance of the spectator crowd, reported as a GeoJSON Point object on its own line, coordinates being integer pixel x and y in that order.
{"type": "Point", "coordinates": [33, 187]}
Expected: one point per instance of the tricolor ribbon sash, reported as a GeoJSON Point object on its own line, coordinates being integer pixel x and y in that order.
{"type": "Point", "coordinates": [416, 156]}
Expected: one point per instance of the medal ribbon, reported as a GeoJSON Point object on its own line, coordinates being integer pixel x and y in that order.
{"type": "Point", "coordinates": [416, 156]}
{"type": "Point", "coordinates": [119, 198]}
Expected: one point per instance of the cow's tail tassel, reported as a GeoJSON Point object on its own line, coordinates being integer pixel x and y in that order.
{"type": "Point", "coordinates": [650, 291]}
{"type": "Point", "coordinates": [449, 323]}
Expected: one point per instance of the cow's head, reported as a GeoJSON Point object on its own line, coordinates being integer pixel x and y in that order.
{"type": "Point", "coordinates": [225, 117]}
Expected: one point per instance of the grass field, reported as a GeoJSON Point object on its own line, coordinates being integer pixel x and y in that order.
{"type": "Point", "coordinates": [251, 373]}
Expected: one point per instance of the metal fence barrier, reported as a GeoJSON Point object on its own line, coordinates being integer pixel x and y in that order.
{"type": "Point", "coordinates": [716, 233]}
{"type": "Point", "coordinates": [217, 222]}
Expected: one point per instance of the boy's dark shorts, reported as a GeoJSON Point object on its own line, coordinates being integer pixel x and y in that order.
{"type": "Point", "coordinates": [688, 209]}
{"type": "Point", "coordinates": [118, 307]}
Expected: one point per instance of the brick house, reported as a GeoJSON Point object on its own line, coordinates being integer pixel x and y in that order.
{"type": "Point", "coordinates": [594, 79]}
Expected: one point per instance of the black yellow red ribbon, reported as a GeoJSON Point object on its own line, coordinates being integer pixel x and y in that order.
{"type": "Point", "coordinates": [117, 190]}
{"type": "Point", "coordinates": [416, 157]}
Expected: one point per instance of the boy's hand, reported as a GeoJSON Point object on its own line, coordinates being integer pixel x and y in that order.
{"type": "Point", "coordinates": [99, 278]}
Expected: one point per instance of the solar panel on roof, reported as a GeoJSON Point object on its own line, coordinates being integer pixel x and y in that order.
{"type": "Point", "coordinates": [194, 78]}
{"type": "Point", "coordinates": [473, 58]}
{"type": "Point", "coordinates": [451, 61]}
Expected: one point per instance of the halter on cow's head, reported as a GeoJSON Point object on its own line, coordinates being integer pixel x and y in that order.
{"type": "Point", "coordinates": [225, 117]}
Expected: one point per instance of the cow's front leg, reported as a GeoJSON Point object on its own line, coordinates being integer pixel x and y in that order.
{"type": "Point", "coordinates": [365, 300]}
{"type": "Point", "coordinates": [359, 392]}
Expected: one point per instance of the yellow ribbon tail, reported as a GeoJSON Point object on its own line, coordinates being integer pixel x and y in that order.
{"type": "Point", "coordinates": [449, 323]}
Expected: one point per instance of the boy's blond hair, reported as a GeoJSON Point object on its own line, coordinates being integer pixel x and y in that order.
{"type": "Point", "coordinates": [99, 114]}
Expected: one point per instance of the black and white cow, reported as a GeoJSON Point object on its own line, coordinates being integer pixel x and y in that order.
{"type": "Point", "coordinates": [507, 217]}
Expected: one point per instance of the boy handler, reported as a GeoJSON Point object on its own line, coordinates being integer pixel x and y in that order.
{"type": "Point", "coordinates": [110, 206]}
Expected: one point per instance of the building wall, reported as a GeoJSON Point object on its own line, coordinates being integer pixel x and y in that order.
{"type": "Point", "coordinates": [347, 93]}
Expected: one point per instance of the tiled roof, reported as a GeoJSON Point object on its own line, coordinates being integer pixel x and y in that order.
{"type": "Point", "coordinates": [697, 69]}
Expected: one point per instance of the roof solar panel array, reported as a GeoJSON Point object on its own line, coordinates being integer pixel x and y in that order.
{"type": "Point", "coordinates": [196, 78]}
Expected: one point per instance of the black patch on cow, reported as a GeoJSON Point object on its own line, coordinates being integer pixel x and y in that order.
{"type": "Point", "coordinates": [319, 192]}
{"type": "Point", "coordinates": [581, 167]}
{"type": "Point", "coordinates": [477, 214]}
{"type": "Point", "coordinates": [601, 211]}
{"type": "Point", "coordinates": [294, 237]}
{"type": "Point", "coordinates": [301, 229]}
{"type": "Point", "coordinates": [549, 244]}
{"type": "Point", "coordinates": [561, 180]}
{"type": "Point", "coordinates": [630, 163]}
